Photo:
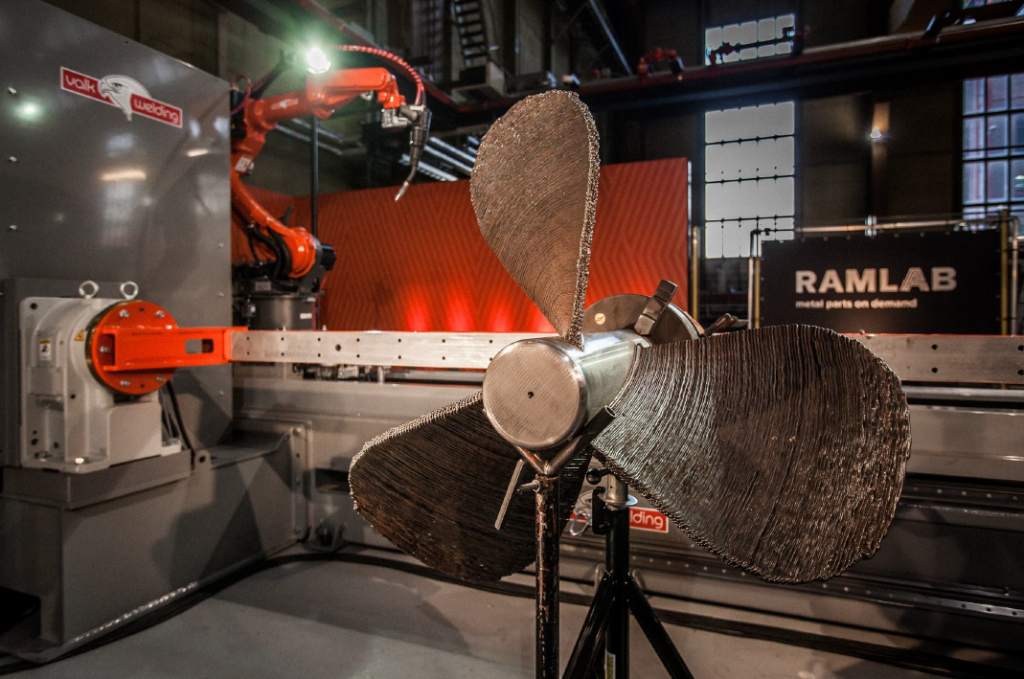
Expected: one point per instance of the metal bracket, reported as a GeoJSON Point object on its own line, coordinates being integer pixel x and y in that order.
{"type": "Point", "coordinates": [721, 325]}
{"type": "Point", "coordinates": [655, 306]}
{"type": "Point", "coordinates": [513, 486]}
{"type": "Point", "coordinates": [590, 431]}
{"type": "Point", "coordinates": [554, 464]}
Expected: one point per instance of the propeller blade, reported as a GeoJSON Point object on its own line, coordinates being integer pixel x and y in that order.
{"type": "Point", "coordinates": [782, 449]}
{"type": "Point", "coordinates": [534, 190]}
{"type": "Point", "coordinates": [435, 487]}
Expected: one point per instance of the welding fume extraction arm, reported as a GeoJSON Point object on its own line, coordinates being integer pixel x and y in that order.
{"type": "Point", "coordinates": [298, 257]}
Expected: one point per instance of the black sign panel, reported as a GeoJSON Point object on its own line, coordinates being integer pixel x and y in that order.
{"type": "Point", "coordinates": [942, 283]}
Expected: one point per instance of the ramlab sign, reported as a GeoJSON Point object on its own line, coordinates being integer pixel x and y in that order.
{"type": "Point", "coordinates": [943, 279]}
{"type": "Point", "coordinates": [125, 93]}
{"type": "Point", "coordinates": [930, 283]}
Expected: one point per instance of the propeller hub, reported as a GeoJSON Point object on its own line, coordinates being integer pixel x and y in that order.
{"type": "Point", "coordinates": [538, 393]}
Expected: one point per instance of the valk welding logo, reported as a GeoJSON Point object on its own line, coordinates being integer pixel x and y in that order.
{"type": "Point", "coordinates": [125, 93]}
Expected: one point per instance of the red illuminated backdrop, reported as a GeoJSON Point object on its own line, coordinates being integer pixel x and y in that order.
{"type": "Point", "coordinates": [421, 263]}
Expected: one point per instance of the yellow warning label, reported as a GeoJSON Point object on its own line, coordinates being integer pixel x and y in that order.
{"type": "Point", "coordinates": [80, 337]}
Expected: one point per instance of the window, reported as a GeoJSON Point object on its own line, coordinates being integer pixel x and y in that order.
{"type": "Point", "coordinates": [993, 145]}
{"type": "Point", "coordinates": [750, 40]}
{"type": "Point", "coordinates": [749, 173]}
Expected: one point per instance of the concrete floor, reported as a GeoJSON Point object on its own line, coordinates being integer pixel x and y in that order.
{"type": "Point", "coordinates": [340, 620]}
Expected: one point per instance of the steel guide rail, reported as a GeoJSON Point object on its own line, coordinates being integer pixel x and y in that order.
{"type": "Point", "coordinates": [414, 349]}
{"type": "Point", "coordinates": [968, 359]}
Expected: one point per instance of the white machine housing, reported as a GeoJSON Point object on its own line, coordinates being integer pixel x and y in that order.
{"type": "Point", "coordinates": [69, 420]}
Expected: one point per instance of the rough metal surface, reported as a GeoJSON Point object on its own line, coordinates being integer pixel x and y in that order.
{"type": "Point", "coordinates": [434, 487]}
{"type": "Point", "coordinates": [782, 450]}
{"type": "Point", "coordinates": [534, 190]}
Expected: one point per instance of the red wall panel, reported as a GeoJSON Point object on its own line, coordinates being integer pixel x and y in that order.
{"type": "Point", "coordinates": [421, 263]}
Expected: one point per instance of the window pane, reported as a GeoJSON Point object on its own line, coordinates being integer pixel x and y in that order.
{"type": "Point", "coordinates": [997, 136]}
{"type": "Point", "coordinates": [714, 202]}
{"type": "Point", "coordinates": [974, 183]}
{"type": "Point", "coordinates": [784, 25]}
{"type": "Point", "coordinates": [773, 157]}
{"type": "Point", "coordinates": [713, 38]}
{"type": "Point", "coordinates": [784, 48]}
{"type": "Point", "coordinates": [766, 30]}
{"type": "Point", "coordinates": [721, 162]}
{"type": "Point", "coordinates": [713, 241]}
{"type": "Point", "coordinates": [1017, 183]}
{"type": "Point", "coordinates": [974, 96]}
{"type": "Point", "coordinates": [766, 51]}
{"type": "Point", "coordinates": [732, 240]}
{"type": "Point", "coordinates": [782, 197]}
{"type": "Point", "coordinates": [781, 229]}
{"type": "Point", "coordinates": [997, 86]}
{"type": "Point", "coordinates": [1017, 91]}
{"type": "Point", "coordinates": [748, 53]}
{"type": "Point", "coordinates": [731, 34]}
{"type": "Point", "coordinates": [748, 33]}
{"type": "Point", "coordinates": [714, 126]}
{"type": "Point", "coordinates": [997, 180]}
{"type": "Point", "coordinates": [974, 136]}
{"type": "Point", "coordinates": [1018, 130]}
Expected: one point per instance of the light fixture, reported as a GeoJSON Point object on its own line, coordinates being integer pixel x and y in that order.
{"type": "Point", "coordinates": [317, 61]}
{"type": "Point", "coordinates": [195, 153]}
{"type": "Point", "coordinates": [127, 174]}
{"type": "Point", "coordinates": [876, 134]}
{"type": "Point", "coordinates": [30, 110]}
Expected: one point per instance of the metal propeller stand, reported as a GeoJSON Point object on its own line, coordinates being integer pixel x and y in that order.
{"type": "Point", "coordinates": [618, 593]}
{"type": "Point", "coordinates": [617, 596]}
{"type": "Point", "coordinates": [548, 534]}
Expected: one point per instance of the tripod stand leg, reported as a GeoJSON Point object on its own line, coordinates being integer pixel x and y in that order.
{"type": "Point", "coordinates": [655, 631]}
{"type": "Point", "coordinates": [617, 562]}
{"type": "Point", "coordinates": [588, 645]}
{"type": "Point", "coordinates": [547, 534]}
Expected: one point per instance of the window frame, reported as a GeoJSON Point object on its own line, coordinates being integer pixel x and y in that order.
{"type": "Point", "coordinates": [980, 153]}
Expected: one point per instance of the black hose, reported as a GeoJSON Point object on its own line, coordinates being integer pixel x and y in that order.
{"type": "Point", "coordinates": [181, 422]}
{"type": "Point", "coordinates": [283, 266]}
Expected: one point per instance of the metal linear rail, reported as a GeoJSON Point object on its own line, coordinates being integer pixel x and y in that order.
{"type": "Point", "coordinates": [968, 359]}
{"type": "Point", "coordinates": [418, 349]}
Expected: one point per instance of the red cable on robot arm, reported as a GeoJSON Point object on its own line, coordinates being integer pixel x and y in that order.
{"type": "Point", "coordinates": [322, 95]}
{"type": "Point", "coordinates": [420, 92]}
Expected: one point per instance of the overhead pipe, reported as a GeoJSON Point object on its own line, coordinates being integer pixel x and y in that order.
{"type": "Point", "coordinates": [598, 11]}
{"type": "Point", "coordinates": [461, 167]}
{"type": "Point", "coordinates": [451, 150]}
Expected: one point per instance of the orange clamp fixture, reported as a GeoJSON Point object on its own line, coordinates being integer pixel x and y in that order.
{"type": "Point", "coordinates": [135, 347]}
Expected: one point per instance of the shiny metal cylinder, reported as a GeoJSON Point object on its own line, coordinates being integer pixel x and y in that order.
{"type": "Point", "coordinates": [539, 392]}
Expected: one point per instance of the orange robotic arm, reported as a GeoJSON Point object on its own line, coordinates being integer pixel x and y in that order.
{"type": "Point", "coordinates": [322, 96]}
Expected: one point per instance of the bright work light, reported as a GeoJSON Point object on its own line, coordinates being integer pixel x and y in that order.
{"type": "Point", "coordinates": [316, 61]}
